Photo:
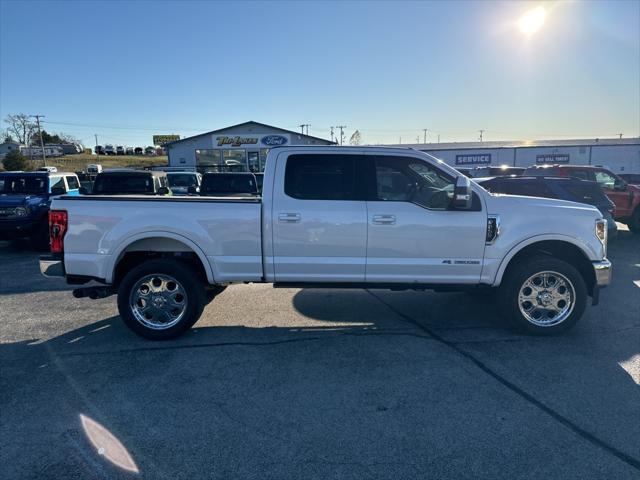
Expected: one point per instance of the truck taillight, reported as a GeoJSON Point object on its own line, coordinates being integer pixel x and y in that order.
{"type": "Point", "coordinates": [57, 229]}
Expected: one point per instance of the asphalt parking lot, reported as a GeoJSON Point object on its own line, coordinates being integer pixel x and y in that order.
{"type": "Point", "coordinates": [313, 383]}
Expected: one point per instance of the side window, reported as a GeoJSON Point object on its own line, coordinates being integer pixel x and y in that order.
{"type": "Point", "coordinates": [56, 182]}
{"type": "Point", "coordinates": [605, 180]}
{"type": "Point", "coordinates": [403, 179]}
{"type": "Point", "coordinates": [579, 174]}
{"type": "Point", "coordinates": [320, 177]}
{"type": "Point", "coordinates": [72, 182]}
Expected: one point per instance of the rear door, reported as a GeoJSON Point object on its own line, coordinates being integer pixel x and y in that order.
{"type": "Point", "coordinates": [413, 234]}
{"type": "Point", "coordinates": [319, 219]}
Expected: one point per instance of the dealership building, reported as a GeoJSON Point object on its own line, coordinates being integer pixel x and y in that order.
{"type": "Point", "coordinates": [241, 147]}
{"type": "Point", "coordinates": [620, 155]}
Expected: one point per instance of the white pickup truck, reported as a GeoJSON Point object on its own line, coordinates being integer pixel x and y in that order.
{"type": "Point", "coordinates": [364, 217]}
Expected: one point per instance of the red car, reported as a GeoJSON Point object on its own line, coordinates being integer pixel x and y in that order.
{"type": "Point", "coordinates": [625, 196]}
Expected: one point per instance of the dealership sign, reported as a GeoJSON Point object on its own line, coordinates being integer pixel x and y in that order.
{"type": "Point", "coordinates": [553, 158]}
{"type": "Point", "coordinates": [274, 140]}
{"type": "Point", "coordinates": [162, 139]}
{"type": "Point", "coordinates": [474, 159]}
{"type": "Point", "coordinates": [236, 141]}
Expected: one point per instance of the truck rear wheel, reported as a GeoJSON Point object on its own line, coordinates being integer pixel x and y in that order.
{"type": "Point", "coordinates": [543, 295]}
{"type": "Point", "coordinates": [634, 221]}
{"type": "Point", "coordinates": [161, 299]}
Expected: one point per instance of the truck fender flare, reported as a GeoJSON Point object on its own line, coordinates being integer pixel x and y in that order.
{"type": "Point", "coordinates": [517, 248]}
{"type": "Point", "coordinates": [111, 267]}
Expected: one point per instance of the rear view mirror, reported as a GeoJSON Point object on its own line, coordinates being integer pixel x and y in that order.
{"type": "Point", "coordinates": [620, 185]}
{"type": "Point", "coordinates": [462, 194]}
{"type": "Point", "coordinates": [58, 191]}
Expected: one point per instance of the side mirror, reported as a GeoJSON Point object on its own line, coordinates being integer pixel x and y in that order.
{"type": "Point", "coordinates": [462, 194]}
{"type": "Point", "coordinates": [192, 190]}
{"type": "Point", "coordinates": [83, 191]}
{"type": "Point", "coordinates": [58, 191]}
{"type": "Point", "coordinates": [620, 185]}
{"type": "Point", "coordinates": [163, 191]}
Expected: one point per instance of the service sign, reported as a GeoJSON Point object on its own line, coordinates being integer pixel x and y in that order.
{"type": "Point", "coordinates": [160, 140]}
{"type": "Point", "coordinates": [553, 158]}
{"type": "Point", "coordinates": [474, 159]}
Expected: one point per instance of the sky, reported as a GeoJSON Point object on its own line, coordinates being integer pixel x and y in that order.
{"type": "Point", "coordinates": [128, 70]}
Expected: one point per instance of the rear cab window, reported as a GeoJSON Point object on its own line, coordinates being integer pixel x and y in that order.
{"type": "Point", "coordinates": [72, 182]}
{"type": "Point", "coordinates": [320, 177]}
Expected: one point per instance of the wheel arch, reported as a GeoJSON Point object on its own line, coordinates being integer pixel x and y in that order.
{"type": "Point", "coordinates": [562, 249]}
{"type": "Point", "coordinates": [138, 248]}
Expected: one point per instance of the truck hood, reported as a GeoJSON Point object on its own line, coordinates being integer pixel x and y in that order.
{"type": "Point", "coordinates": [544, 206]}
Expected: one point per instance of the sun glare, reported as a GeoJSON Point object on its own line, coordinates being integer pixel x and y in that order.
{"type": "Point", "coordinates": [532, 20]}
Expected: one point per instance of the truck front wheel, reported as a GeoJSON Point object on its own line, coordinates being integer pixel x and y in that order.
{"type": "Point", "coordinates": [160, 299]}
{"type": "Point", "coordinates": [543, 295]}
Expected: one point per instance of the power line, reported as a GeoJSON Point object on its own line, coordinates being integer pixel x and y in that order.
{"type": "Point", "coordinates": [341, 127]}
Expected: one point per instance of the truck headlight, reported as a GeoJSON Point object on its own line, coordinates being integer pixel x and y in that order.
{"type": "Point", "coordinates": [601, 233]}
{"type": "Point", "coordinates": [21, 211]}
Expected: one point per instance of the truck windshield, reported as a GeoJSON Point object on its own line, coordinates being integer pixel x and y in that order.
{"type": "Point", "coordinates": [22, 184]}
{"type": "Point", "coordinates": [182, 180]}
{"type": "Point", "coordinates": [226, 183]}
{"type": "Point", "coordinates": [123, 184]}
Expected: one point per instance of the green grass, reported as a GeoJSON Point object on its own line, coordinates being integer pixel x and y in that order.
{"type": "Point", "coordinates": [79, 162]}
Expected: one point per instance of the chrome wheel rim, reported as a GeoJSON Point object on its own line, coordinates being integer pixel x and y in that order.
{"type": "Point", "coordinates": [546, 298]}
{"type": "Point", "coordinates": [158, 301]}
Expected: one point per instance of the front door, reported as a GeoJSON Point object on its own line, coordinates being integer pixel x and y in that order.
{"type": "Point", "coordinates": [319, 222]}
{"type": "Point", "coordinates": [622, 198]}
{"type": "Point", "coordinates": [413, 236]}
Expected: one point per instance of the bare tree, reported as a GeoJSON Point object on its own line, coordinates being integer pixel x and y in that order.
{"type": "Point", "coordinates": [21, 128]}
{"type": "Point", "coordinates": [356, 138]}
{"type": "Point", "coordinates": [66, 138]}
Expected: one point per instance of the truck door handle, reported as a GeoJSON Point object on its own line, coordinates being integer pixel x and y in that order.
{"type": "Point", "coordinates": [289, 218]}
{"type": "Point", "coordinates": [384, 219]}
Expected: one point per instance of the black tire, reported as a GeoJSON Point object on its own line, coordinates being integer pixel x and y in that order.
{"type": "Point", "coordinates": [187, 279]}
{"type": "Point", "coordinates": [514, 280]}
{"type": "Point", "coordinates": [634, 221]}
{"type": "Point", "coordinates": [213, 292]}
{"type": "Point", "coordinates": [40, 236]}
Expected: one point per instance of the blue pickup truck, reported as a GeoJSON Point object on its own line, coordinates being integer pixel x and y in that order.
{"type": "Point", "coordinates": [24, 203]}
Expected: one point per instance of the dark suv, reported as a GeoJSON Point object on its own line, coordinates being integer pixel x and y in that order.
{"type": "Point", "coordinates": [626, 197]}
{"type": "Point", "coordinates": [574, 190]}
{"type": "Point", "coordinates": [131, 182]}
{"type": "Point", "coordinates": [229, 185]}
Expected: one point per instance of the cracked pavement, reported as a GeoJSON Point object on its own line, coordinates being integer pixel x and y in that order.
{"type": "Point", "coordinates": [313, 383]}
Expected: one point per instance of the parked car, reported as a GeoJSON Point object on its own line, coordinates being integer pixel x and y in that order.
{"type": "Point", "coordinates": [120, 150]}
{"type": "Point", "coordinates": [48, 169]}
{"type": "Point", "coordinates": [496, 171]}
{"type": "Point", "coordinates": [129, 151]}
{"type": "Point", "coordinates": [632, 178]}
{"type": "Point", "coordinates": [94, 169]}
{"type": "Point", "coordinates": [24, 203]}
{"type": "Point", "coordinates": [99, 150]}
{"type": "Point", "coordinates": [109, 150]}
{"type": "Point", "coordinates": [574, 190]}
{"type": "Point", "coordinates": [334, 217]}
{"type": "Point", "coordinates": [625, 196]}
{"type": "Point", "coordinates": [130, 182]}
{"type": "Point", "coordinates": [184, 183]}
{"type": "Point", "coordinates": [240, 184]}
{"type": "Point", "coordinates": [150, 151]}
{"type": "Point", "coordinates": [138, 151]}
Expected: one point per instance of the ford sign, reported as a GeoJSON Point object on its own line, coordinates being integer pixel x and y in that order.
{"type": "Point", "coordinates": [274, 140]}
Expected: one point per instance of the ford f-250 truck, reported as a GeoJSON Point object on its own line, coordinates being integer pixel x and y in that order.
{"type": "Point", "coordinates": [366, 217]}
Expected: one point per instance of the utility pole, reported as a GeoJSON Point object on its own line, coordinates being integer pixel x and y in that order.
{"type": "Point", "coordinates": [44, 157]}
{"type": "Point", "coordinates": [302, 128]}
{"type": "Point", "coordinates": [438, 138]}
{"type": "Point", "coordinates": [97, 149]}
{"type": "Point", "coordinates": [620, 136]}
{"type": "Point", "coordinates": [481, 132]}
{"type": "Point", "coordinates": [332, 132]}
{"type": "Point", "coordinates": [341, 127]}
{"type": "Point", "coordinates": [425, 130]}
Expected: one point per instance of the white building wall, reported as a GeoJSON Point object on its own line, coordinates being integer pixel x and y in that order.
{"type": "Point", "coordinates": [619, 159]}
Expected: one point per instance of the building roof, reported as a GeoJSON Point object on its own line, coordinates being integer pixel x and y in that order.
{"type": "Point", "coordinates": [250, 122]}
{"type": "Point", "coordinates": [581, 142]}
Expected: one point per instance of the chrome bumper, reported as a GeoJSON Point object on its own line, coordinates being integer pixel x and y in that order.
{"type": "Point", "coordinates": [51, 266]}
{"type": "Point", "coordinates": [602, 270]}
